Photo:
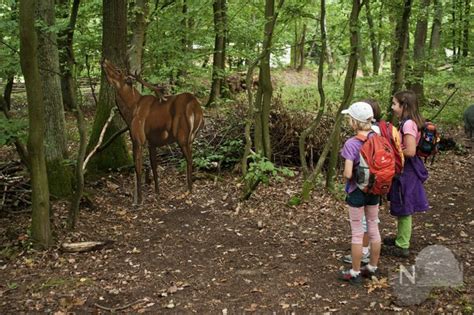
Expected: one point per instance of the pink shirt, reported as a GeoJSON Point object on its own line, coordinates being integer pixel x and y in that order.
{"type": "Point", "coordinates": [410, 128]}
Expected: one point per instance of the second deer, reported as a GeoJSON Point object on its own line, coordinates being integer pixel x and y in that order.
{"type": "Point", "coordinates": [155, 122]}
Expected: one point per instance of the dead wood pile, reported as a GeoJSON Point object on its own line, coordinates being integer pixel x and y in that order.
{"type": "Point", "coordinates": [15, 187]}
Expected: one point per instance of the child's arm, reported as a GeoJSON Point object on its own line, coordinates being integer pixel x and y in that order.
{"type": "Point", "coordinates": [348, 165]}
{"type": "Point", "coordinates": [410, 145]}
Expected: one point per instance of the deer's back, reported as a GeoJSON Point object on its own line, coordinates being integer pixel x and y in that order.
{"type": "Point", "coordinates": [166, 120]}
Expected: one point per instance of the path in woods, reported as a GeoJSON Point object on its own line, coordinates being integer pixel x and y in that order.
{"type": "Point", "coordinates": [208, 253]}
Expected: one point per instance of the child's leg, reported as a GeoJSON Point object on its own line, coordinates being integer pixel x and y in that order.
{"type": "Point", "coordinates": [372, 215]}
{"type": "Point", "coordinates": [404, 231]}
{"type": "Point", "coordinates": [365, 240]}
{"type": "Point", "coordinates": [355, 215]}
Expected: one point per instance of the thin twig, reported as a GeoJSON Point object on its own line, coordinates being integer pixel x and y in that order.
{"type": "Point", "coordinates": [101, 138]}
{"type": "Point", "coordinates": [445, 103]}
{"type": "Point", "coordinates": [114, 309]}
{"type": "Point", "coordinates": [88, 67]}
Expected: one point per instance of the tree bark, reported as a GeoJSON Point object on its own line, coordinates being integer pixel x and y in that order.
{"type": "Point", "coordinates": [139, 27]}
{"type": "Point", "coordinates": [301, 53]}
{"type": "Point", "coordinates": [349, 84]}
{"type": "Point", "coordinates": [7, 92]}
{"type": "Point", "coordinates": [114, 47]}
{"type": "Point", "coordinates": [373, 40]}
{"type": "Point", "coordinates": [218, 67]}
{"type": "Point", "coordinates": [40, 222]}
{"type": "Point", "coordinates": [435, 38]}
{"type": "Point", "coordinates": [415, 82]}
{"type": "Point", "coordinates": [465, 35]}
{"type": "Point", "coordinates": [265, 89]}
{"type": "Point", "coordinates": [399, 53]}
{"type": "Point", "coordinates": [55, 142]}
{"type": "Point", "coordinates": [67, 60]}
{"type": "Point", "coordinates": [322, 96]}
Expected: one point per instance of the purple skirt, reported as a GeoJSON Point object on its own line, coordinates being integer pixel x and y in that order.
{"type": "Point", "coordinates": [407, 194]}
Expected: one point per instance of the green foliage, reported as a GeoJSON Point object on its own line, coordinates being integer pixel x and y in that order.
{"type": "Point", "coordinates": [10, 45]}
{"type": "Point", "coordinates": [224, 156]}
{"type": "Point", "coordinates": [261, 170]}
{"type": "Point", "coordinates": [295, 201]}
{"type": "Point", "coordinates": [12, 129]}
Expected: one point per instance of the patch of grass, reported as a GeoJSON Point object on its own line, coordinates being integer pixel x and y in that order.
{"type": "Point", "coordinates": [57, 282]}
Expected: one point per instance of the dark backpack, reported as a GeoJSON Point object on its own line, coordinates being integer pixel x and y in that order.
{"type": "Point", "coordinates": [390, 132]}
{"type": "Point", "coordinates": [377, 165]}
{"type": "Point", "coordinates": [429, 141]}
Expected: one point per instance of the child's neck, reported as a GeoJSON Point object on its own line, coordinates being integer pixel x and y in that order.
{"type": "Point", "coordinates": [363, 133]}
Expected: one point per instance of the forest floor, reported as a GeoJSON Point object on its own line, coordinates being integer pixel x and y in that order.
{"type": "Point", "coordinates": [210, 253]}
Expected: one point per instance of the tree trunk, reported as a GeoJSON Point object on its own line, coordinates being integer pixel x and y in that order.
{"type": "Point", "coordinates": [114, 47]}
{"type": "Point", "coordinates": [363, 62]}
{"type": "Point", "coordinates": [435, 38]}
{"type": "Point", "coordinates": [139, 26]}
{"type": "Point", "coordinates": [301, 52]}
{"type": "Point", "coordinates": [7, 92]}
{"type": "Point", "coordinates": [322, 96]}
{"type": "Point", "coordinates": [416, 80]}
{"type": "Point", "coordinates": [218, 66]}
{"type": "Point", "coordinates": [465, 35]}
{"type": "Point", "coordinates": [67, 60]}
{"type": "Point", "coordinates": [399, 53]}
{"type": "Point", "coordinates": [40, 223]}
{"type": "Point", "coordinates": [55, 142]}
{"type": "Point", "coordinates": [265, 89]}
{"type": "Point", "coordinates": [349, 84]}
{"type": "Point", "coordinates": [453, 28]}
{"type": "Point", "coordinates": [373, 40]}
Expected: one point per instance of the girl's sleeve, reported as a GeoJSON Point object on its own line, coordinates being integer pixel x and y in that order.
{"type": "Point", "coordinates": [410, 128]}
{"type": "Point", "coordinates": [350, 150]}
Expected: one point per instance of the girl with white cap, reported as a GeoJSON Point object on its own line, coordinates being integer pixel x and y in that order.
{"type": "Point", "coordinates": [360, 118]}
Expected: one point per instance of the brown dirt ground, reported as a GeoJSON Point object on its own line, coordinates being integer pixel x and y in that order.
{"type": "Point", "coordinates": [209, 253]}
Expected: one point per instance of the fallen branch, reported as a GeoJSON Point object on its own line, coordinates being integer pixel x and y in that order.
{"type": "Point", "coordinates": [101, 138]}
{"type": "Point", "coordinates": [80, 247]}
{"type": "Point", "coordinates": [445, 103]}
{"type": "Point", "coordinates": [119, 308]}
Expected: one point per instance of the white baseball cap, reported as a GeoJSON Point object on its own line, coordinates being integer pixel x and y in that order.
{"type": "Point", "coordinates": [360, 111]}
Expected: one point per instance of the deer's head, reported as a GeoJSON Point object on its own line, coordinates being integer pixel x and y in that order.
{"type": "Point", "coordinates": [115, 76]}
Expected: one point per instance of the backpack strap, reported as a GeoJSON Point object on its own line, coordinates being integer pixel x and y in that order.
{"type": "Point", "coordinates": [364, 138]}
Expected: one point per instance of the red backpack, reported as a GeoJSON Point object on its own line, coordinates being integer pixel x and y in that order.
{"type": "Point", "coordinates": [390, 132]}
{"type": "Point", "coordinates": [377, 165]}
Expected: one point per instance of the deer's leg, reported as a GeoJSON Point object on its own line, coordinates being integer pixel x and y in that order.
{"type": "Point", "coordinates": [137, 158]}
{"type": "Point", "coordinates": [187, 152]}
{"type": "Point", "coordinates": [153, 165]}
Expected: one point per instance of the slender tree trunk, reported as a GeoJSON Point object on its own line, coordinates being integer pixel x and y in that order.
{"type": "Point", "coordinates": [399, 53]}
{"type": "Point", "coordinates": [40, 223]}
{"type": "Point", "coordinates": [373, 40]}
{"type": "Point", "coordinates": [322, 96]}
{"type": "Point", "coordinates": [349, 84]}
{"type": "Point", "coordinates": [435, 38]}
{"type": "Point", "coordinates": [265, 89]}
{"type": "Point", "coordinates": [7, 92]}
{"type": "Point", "coordinates": [416, 80]}
{"type": "Point", "coordinates": [453, 27]}
{"type": "Point", "coordinates": [363, 62]}
{"type": "Point", "coordinates": [114, 47]}
{"type": "Point", "coordinates": [218, 67]}
{"type": "Point", "coordinates": [293, 49]}
{"type": "Point", "coordinates": [301, 53]}
{"type": "Point", "coordinates": [66, 58]}
{"type": "Point", "coordinates": [55, 143]}
{"type": "Point", "coordinates": [139, 26]}
{"type": "Point", "coordinates": [465, 37]}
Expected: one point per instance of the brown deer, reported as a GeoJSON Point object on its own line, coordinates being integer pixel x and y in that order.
{"type": "Point", "coordinates": [155, 122]}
